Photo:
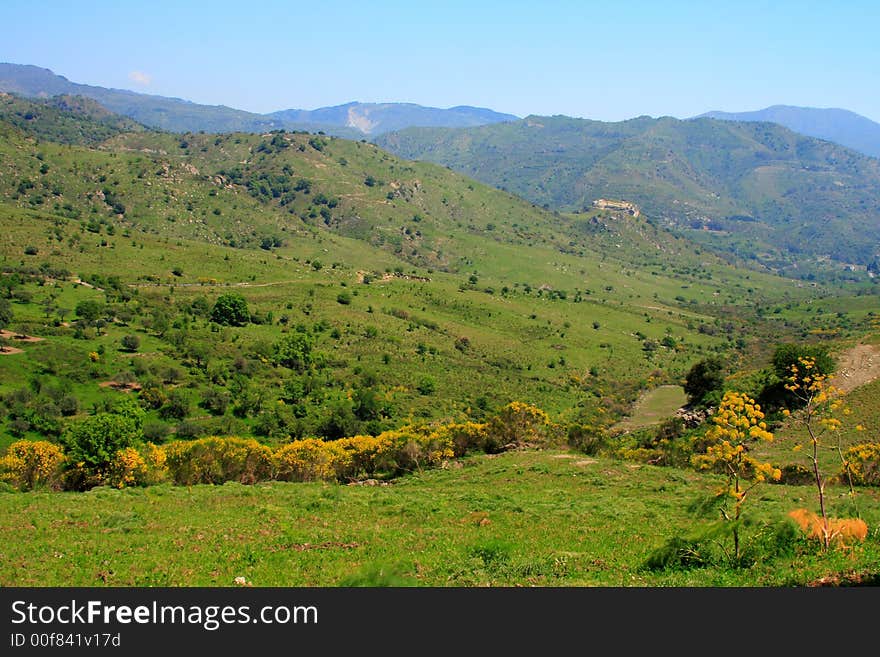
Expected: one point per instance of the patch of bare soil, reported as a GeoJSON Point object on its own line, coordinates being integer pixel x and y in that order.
{"type": "Point", "coordinates": [857, 366]}
{"type": "Point", "coordinates": [8, 351]}
{"type": "Point", "coordinates": [121, 387]}
{"type": "Point", "coordinates": [19, 337]}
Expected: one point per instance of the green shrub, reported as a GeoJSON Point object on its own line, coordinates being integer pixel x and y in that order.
{"type": "Point", "coordinates": [586, 438]}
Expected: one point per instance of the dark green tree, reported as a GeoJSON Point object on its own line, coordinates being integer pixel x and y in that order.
{"type": "Point", "coordinates": [703, 379]}
{"type": "Point", "coordinates": [230, 310]}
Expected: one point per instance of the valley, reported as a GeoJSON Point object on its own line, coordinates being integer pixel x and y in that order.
{"type": "Point", "coordinates": [300, 359]}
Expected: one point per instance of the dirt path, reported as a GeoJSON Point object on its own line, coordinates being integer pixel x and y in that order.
{"type": "Point", "coordinates": [856, 367]}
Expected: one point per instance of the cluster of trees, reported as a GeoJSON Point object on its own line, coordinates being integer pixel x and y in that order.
{"type": "Point", "coordinates": [705, 381]}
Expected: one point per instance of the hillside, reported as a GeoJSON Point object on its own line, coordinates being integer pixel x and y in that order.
{"type": "Point", "coordinates": [352, 120]}
{"type": "Point", "coordinates": [64, 119]}
{"type": "Point", "coordinates": [755, 189]}
{"type": "Point", "coordinates": [422, 294]}
{"type": "Point", "coordinates": [838, 125]}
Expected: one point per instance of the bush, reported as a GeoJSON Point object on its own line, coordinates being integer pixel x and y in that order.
{"type": "Point", "coordinates": [137, 467]}
{"type": "Point", "coordinates": [156, 432]}
{"type": "Point", "coordinates": [32, 464]}
{"type": "Point", "coordinates": [679, 553]}
{"type": "Point", "coordinates": [516, 425]}
{"type": "Point", "coordinates": [294, 350]}
{"type": "Point", "coordinates": [216, 460]}
{"type": "Point", "coordinates": [312, 460]}
{"type": "Point", "coordinates": [463, 437]}
{"type": "Point", "coordinates": [426, 386]}
{"type": "Point", "coordinates": [795, 474]}
{"type": "Point", "coordinates": [176, 406]}
{"type": "Point", "coordinates": [864, 464]}
{"type": "Point", "coordinates": [405, 450]}
{"type": "Point", "coordinates": [587, 439]}
{"type": "Point", "coordinates": [131, 342]}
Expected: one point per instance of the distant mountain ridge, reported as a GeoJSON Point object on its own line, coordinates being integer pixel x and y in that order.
{"type": "Point", "coordinates": [838, 125]}
{"type": "Point", "coordinates": [379, 118]}
{"type": "Point", "coordinates": [352, 120]}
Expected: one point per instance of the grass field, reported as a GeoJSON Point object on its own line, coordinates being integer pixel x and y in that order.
{"type": "Point", "coordinates": [522, 518]}
{"type": "Point", "coordinates": [653, 407]}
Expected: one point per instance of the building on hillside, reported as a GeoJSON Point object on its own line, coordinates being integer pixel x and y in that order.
{"type": "Point", "coordinates": [617, 206]}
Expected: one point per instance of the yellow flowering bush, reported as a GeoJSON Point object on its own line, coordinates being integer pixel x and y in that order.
{"type": "Point", "coordinates": [215, 460]}
{"type": "Point", "coordinates": [137, 467]}
{"type": "Point", "coordinates": [862, 463]}
{"type": "Point", "coordinates": [515, 425]}
{"type": "Point", "coordinates": [406, 449]}
{"type": "Point", "coordinates": [363, 451]}
{"type": "Point", "coordinates": [29, 464]}
{"type": "Point", "coordinates": [311, 459]}
{"type": "Point", "coordinates": [463, 437]}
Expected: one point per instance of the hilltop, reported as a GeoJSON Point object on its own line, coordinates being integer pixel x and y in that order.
{"type": "Point", "coordinates": [832, 124]}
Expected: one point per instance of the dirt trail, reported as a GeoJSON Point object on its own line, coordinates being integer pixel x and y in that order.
{"type": "Point", "coordinates": [857, 366]}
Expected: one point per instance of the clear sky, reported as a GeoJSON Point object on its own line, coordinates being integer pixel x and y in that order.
{"type": "Point", "coordinates": [608, 60]}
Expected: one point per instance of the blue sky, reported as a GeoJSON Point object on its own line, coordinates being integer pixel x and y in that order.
{"type": "Point", "coordinates": [600, 60]}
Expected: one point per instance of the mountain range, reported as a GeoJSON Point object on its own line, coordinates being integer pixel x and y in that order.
{"type": "Point", "coordinates": [352, 120]}
{"type": "Point", "coordinates": [838, 125]}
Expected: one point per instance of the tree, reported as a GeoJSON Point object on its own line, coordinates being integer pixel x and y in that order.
{"type": "Point", "coordinates": [776, 394]}
{"type": "Point", "coordinates": [294, 350]}
{"type": "Point", "coordinates": [91, 444]}
{"type": "Point", "coordinates": [176, 406]}
{"type": "Point", "coordinates": [230, 310]}
{"type": "Point", "coordinates": [130, 342]}
{"type": "Point", "coordinates": [820, 405]}
{"type": "Point", "coordinates": [5, 319]}
{"type": "Point", "coordinates": [89, 310]}
{"type": "Point", "coordinates": [737, 422]}
{"type": "Point", "coordinates": [704, 378]}
{"type": "Point", "coordinates": [788, 355]}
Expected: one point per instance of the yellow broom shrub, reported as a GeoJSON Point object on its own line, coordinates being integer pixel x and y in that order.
{"type": "Point", "coordinates": [863, 463]}
{"type": "Point", "coordinates": [216, 460]}
{"type": "Point", "coordinates": [29, 464]}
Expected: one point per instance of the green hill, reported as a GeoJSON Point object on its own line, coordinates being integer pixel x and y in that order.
{"type": "Point", "coordinates": [755, 189]}
{"type": "Point", "coordinates": [423, 294]}
{"type": "Point", "coordinates": [64, 119]}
